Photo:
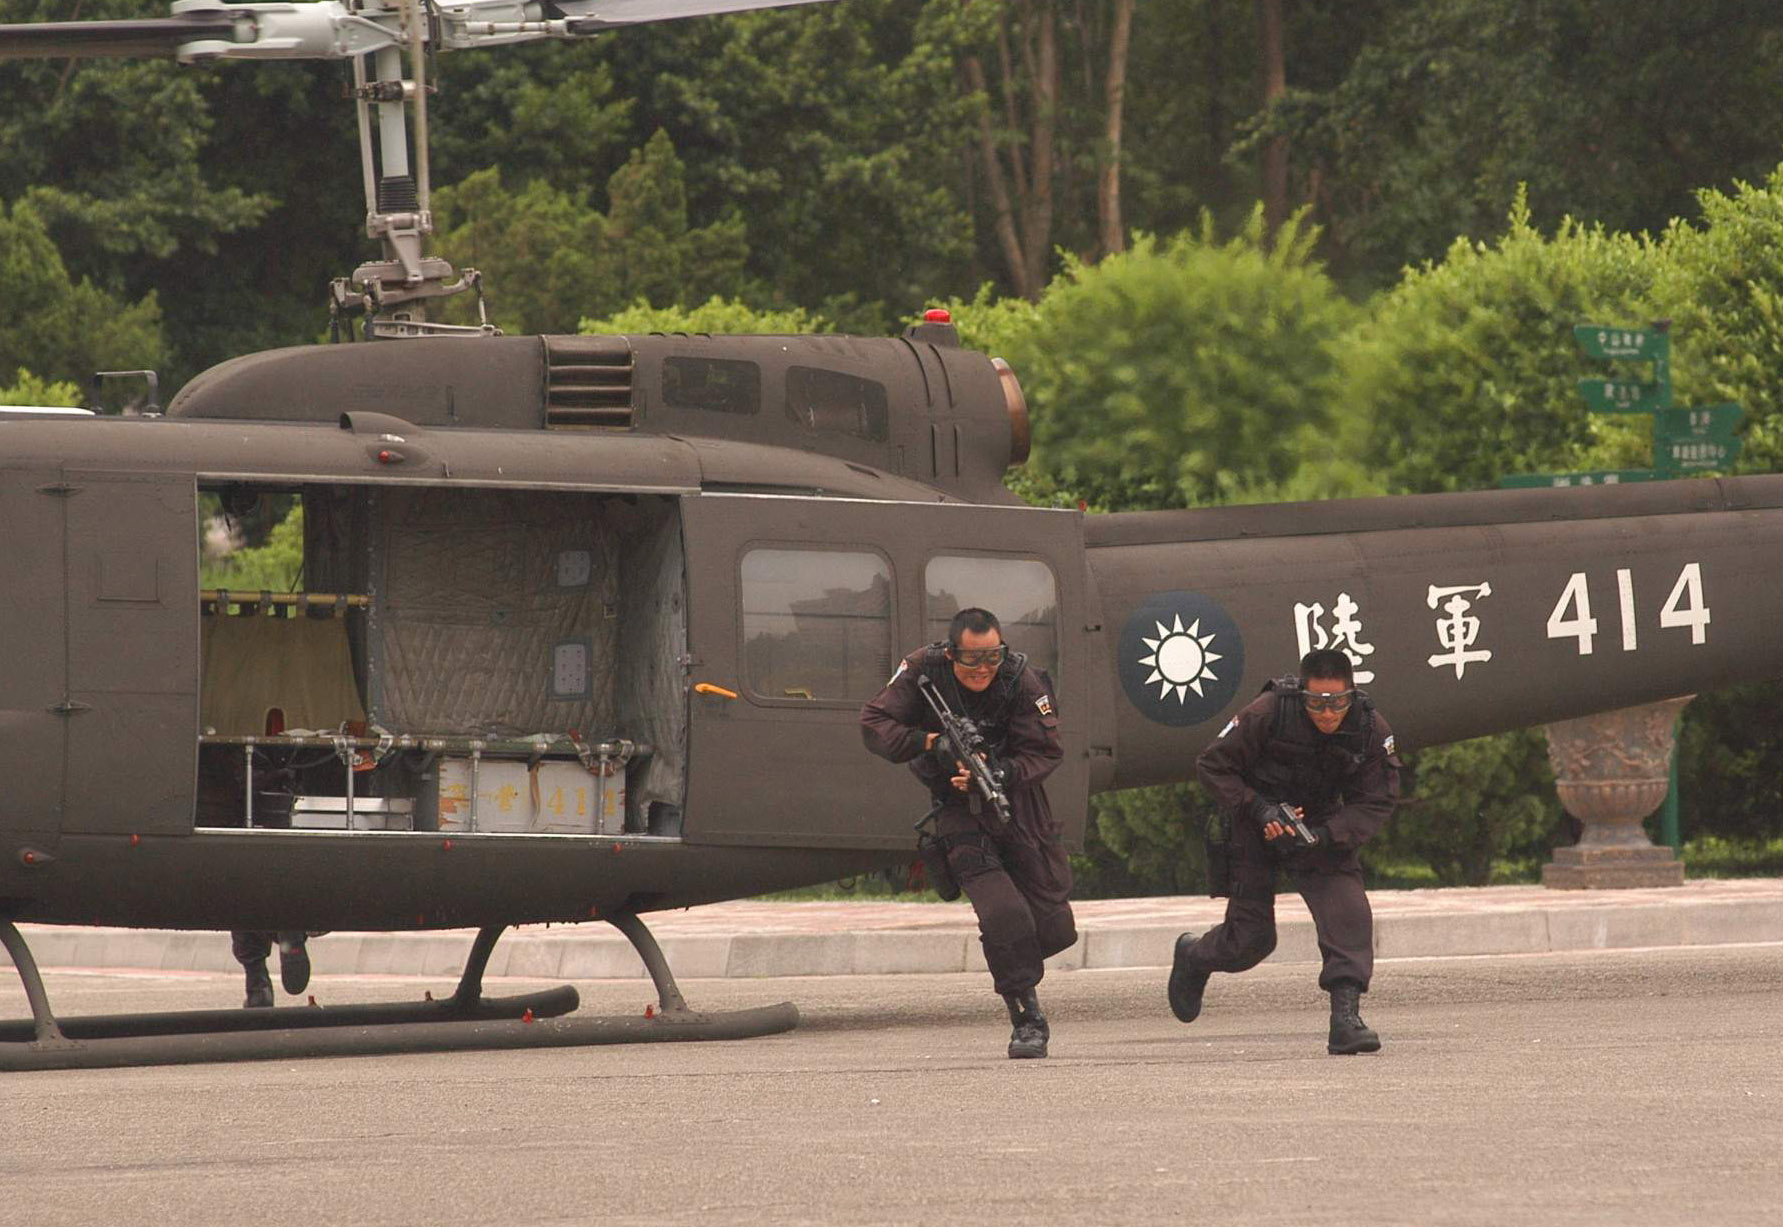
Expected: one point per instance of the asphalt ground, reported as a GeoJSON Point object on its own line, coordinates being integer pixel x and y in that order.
{"type": "Point", "coordinates": [1629, 1087]}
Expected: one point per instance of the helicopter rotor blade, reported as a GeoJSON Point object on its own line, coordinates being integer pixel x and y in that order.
{"type": "Point", "coordinates": [328, 29]}
{"type": "Point", "coordinates": [590, 15]}
{"type": "Point", "coordinates": [154, 36]}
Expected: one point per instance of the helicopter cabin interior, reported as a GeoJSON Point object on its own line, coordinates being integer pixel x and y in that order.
{"type": "Point", "coordinates": [448, 660]}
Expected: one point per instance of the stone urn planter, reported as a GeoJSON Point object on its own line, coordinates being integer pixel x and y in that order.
{"type": "Point", "coordinates": [1612, 770]}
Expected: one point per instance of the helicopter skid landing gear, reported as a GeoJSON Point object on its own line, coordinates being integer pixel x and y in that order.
{"type": "Point", "coordinates": [466, 1020]}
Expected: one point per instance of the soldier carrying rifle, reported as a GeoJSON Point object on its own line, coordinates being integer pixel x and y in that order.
{"type": "Point", "coordinates": [978, 727]}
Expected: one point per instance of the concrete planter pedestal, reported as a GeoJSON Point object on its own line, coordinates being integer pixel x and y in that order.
{"type": "Point", "coordinates": [1612, 770]}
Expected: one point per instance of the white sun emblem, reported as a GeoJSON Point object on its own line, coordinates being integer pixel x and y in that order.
{"type": "Point", "coordinates": [1180, 660]}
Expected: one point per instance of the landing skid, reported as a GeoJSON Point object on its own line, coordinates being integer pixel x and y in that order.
{"type": "Point", "coordinates": [466, 1020]}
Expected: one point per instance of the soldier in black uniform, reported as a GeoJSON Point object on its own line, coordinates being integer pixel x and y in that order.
{"type": "Point", "coordinates": [1316, 745]}
{"type": "Point", "coordinates": [1017, 874]}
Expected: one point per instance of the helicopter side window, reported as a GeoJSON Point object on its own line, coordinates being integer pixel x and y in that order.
{"type": "Point", "coordinates": [838, 403]}
{"type": "Point", "coordinates": [1020, 591]}
{"type": "Point", "coordinates": [718, 385]}
{"type": "Point", "coordinates": [817, 624]}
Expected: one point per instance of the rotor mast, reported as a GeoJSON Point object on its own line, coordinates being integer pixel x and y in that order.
{"type": "Point", "coordinates": [392, 293]}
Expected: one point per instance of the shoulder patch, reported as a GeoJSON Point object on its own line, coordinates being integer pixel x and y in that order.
{"type": "Point", "coordinates": [1230, 725]}
{"type": "Point", "coordinates": [1044, 703]}
{"type": "Point", "coordinates": [902, 666]}
{"type": "Point", "coordinates": [1387, 745]}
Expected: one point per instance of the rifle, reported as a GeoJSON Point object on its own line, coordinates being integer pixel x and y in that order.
{"type": "Point", "coordinates": [967, 745]}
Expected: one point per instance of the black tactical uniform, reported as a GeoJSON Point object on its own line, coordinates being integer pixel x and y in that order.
{"type": "Point", "coordinates": [1018, 878]}
{"type": "Point", "coordinates": [1347, 783]}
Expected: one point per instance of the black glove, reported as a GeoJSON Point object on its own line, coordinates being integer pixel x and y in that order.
{"type": "Point", "coordinates": [1263, 811]}
{"type": "Point", "coordinates": [1292, 831]}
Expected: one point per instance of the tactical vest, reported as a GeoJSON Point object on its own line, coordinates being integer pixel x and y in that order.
{"type": "Point", "coordinates": [995, 704]}
{"type": "Point", "coordinates": [1304, 766]}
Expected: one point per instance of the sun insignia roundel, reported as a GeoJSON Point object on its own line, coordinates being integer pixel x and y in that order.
{"type": "Point", "coordinates": [1181, 658]}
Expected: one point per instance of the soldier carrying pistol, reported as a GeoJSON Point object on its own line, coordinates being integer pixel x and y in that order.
{"type": "Point", "coordinates": [993, 825]}
{"type": "Point", "coordinates": [1303, 776]}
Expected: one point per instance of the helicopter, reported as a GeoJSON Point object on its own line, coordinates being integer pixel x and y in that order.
{"type": "Point", "coordinates": [586, 622]}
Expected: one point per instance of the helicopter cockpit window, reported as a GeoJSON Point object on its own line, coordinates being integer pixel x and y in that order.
{"type": "Point", "coordinates": [838, 403]}
{"type": "Point", "coordinates": [718, 385]}
{"type": "Point", "coordinates": [1020, 591]}
{"type": "Point", "coordinates": [817, 624]}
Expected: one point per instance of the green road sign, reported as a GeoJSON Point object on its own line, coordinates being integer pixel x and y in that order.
{"type": "Point", "coordinates": [1603, 341]}
{"type": "Point", "coordinates": [1715, 423]}
{"type": "Point", "coordinates": [1694, 455]}
{"type": "Point", "coordinates": [1624, 395]}
{"type": "Point", "coordinates": [1602, 477]}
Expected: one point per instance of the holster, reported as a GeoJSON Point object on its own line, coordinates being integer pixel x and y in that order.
{"type": "Point", "coordinates": [932, 849]}
{"type": "Point", "coordinates": [1219, 855]}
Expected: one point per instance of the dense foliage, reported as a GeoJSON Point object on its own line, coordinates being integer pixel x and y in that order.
{"type": "Point", "coordinates": [1184, 372]}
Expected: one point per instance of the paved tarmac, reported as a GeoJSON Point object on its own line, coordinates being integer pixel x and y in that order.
{"type": "Point", "coordinates": [750, 939]}
{"type": "Point", "coordinates": [1610, 1088]}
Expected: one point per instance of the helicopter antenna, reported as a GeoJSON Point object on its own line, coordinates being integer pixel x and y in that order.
{"type": "Point", "coordinates": [391, 294]}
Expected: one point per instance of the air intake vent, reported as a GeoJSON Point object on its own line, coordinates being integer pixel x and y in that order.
{"type": "Point", "coordinates": [588, 381]}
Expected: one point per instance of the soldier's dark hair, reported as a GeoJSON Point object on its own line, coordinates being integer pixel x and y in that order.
{"type": "Point", "coordinates": [1328, 663]}
{"type": "Point", "coordinates": [973, 619]}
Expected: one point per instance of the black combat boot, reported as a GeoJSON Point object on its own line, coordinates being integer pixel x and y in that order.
{"type": "Point", "coordinates": [259, 985]}
{"type": "Point", "coordinates": [1186, 982]}
{"type": "Point", "coordinates": [1349, 1034]}
{"type": "Point", "coordinates": [1031, 1032]}
{"type": "Point", "coordinates": [294, 963]}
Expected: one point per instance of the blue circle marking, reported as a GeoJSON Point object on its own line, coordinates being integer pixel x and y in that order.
{"type": "Point", "coordinates": [1181, 658]}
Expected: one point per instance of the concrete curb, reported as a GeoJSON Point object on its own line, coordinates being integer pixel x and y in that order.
{"type": "Point", "coordinates": [750, 939]}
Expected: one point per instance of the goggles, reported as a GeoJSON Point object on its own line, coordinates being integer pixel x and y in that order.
{"type": "Point", "coordinates": [974, 658]}
{"type": "Point", "coordinates": [1336, 701]}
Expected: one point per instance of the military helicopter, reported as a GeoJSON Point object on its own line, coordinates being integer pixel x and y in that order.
{"type": "Point", "coordinates": [585, 622]}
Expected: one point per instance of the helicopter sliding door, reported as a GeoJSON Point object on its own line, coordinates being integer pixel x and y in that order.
{"type": "Point", "coordinates": [132, 589]}
{"type": "Point", "coordinates": [33, 653]}
{"type": "Point", "coordinates": [800, 608]}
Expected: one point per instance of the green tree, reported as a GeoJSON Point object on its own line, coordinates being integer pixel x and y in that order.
{"type": "Point", "coordinates": [274, 566]}
{"type": "Point", "coordinates": [111, 157]}
{"type": "Point", "coordinates": [715, 315]}
{"type": "Point", "coordinates": [1186, 372]}
{"type": "Point", "coordinates": [1155, 835]}
{"type": "Point", "coordinates": [546, 111]}
{"type": "Point", "coordinates": [30, 390]}
{"type": "Point", "coordinates": [550, 259]}
{"type": "Point", "coordinates": [1473, 805]}
{"type": "Point", "coordinates": [649, 251]}
{"type": "Point", "coordinates": [1612, 113]}
{"type": "Point", "coordinates": [1467, 370]}
{"type": "Point", "coordinates": [832, 129]}
{"type": "Point", "coordinates": [1721, 284]}
{"type": "Point", "coordinates": [62, 328]}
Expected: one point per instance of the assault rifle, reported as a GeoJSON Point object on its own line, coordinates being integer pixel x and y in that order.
{"type": "Point", "coordinates": [968, 747]}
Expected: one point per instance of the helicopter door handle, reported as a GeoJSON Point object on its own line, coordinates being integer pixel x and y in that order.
{"type": "Point", "coordinates": [709, 688]}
